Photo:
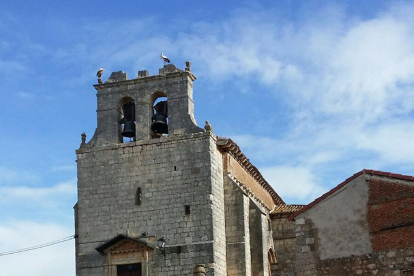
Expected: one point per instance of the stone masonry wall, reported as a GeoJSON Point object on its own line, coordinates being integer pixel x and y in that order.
{"type": "Point", "coordinates": [284, 237]}
{"type": "Point", "coordinates": [382, 263]}
{"type": "Point", "coordinates": [237, 229]}
{"type": "Point", "coordinates": [176, 86]}
{"type": "Point", "coordinates": [217, 193]}
{"type": "Point", "coordinates": [306, 255]}
{"type": "Point", "coordinates": [171, 172]}
{"type": "Point", "coordinates": [267, 243]}
{"type": "Point", "coordinates": [257, 235]}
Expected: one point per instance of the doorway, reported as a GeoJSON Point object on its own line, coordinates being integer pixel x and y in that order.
{"type": "Point", "coordinates": [129, 270]}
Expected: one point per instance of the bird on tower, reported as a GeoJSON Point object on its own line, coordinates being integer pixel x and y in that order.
{"type": "Point", "coordinates": [100, 72]}
{"type": "Point", "coordinates": [164, 58]}
{"type": "Point", "coordinates": [208, 127]}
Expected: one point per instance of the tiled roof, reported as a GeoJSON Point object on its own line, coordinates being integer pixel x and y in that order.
{"type": "Point", "coordinates": [364, 171]}
{"type": "Point", "coordinates": [227, 145]}
{"type": "Point", "coordinates": [286, 209]}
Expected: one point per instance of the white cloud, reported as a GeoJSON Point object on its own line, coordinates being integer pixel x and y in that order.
{"type": "Point", "coordinates": [26, 96]}
{"type": "Point", "coordinates": [369, 60]}
{"type": "Point", "coordinates": [38, 194]}
{"type": "Point", "coordinates": [361, 69]}
{"type": "Point", "coordinates": [349, 81]}
{"type": "Point", "coordinates": [9, 66]}
{"type": "Point", "coordinates": [40, 202]}
{"type": "Point", "coordinates": [8, 176]}
{"type": "Point", "coordinates": [64, 168]}
{"type": "Point", "coordinates": [392, 141]}
{"type": "Point", "coordinates": [55, 260]}
{"type": "Point", "coordinates": [351, 89]}
{"type": "Point", "coordinates": [293, 184]}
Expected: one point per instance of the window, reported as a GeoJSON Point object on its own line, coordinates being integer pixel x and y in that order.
{"type": "Point", "coordinates": [138, 196]}
{"type": "Point", "coordinates": [129, 270]}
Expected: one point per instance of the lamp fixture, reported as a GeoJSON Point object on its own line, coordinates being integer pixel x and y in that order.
{"type": "Point", "coordinates": [161, 245]}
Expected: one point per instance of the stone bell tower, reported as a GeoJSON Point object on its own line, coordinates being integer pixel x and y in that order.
{"type": "Point", "coordinates": [139, 183]}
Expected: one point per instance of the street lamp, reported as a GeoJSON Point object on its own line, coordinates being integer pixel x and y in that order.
{"type": "Point", "coordinates": [161, 245]}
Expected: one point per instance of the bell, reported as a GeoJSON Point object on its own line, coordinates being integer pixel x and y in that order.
{"type": "Point", "coordinates": [129, 129]}
{"type": "Point", "coordinates": [159, 124]}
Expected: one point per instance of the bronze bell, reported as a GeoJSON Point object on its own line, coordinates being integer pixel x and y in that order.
{"type": "Point", "coordinates": [128, 120]}
{"type": "Point", "coordinates": [129, 129]}
{"type": "Point", "coordinates": [159, 124]}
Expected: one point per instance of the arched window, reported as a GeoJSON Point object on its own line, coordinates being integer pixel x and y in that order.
{"type": "Point", "coordinates": [127, 119]}
{"type": "Point", "coordinates": [159, 119]}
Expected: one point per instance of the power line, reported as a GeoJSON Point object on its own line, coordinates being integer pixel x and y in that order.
{"type": "Point", "coordinates": [38, 246]}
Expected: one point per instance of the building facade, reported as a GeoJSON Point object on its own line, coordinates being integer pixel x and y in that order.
{"type": "Point", "coordinates": [158, 195]}
{"type": "Point", "coordinates": [163, 178]}
{"type": "Point", "coordinates": [364, 226]}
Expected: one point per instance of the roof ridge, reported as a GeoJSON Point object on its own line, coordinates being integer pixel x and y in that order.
{"type": "Point", "coordinates": [389, 174]}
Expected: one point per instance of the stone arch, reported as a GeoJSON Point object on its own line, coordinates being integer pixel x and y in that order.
{"type": "Point", "coordinates": [121, 106]}
{"type": "Point", "coordinates": [159, 100]}
{"type": "Point", "coordinates": [157, 94]}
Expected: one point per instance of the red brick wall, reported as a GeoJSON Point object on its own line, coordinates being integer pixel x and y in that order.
{"type": "Point", "coordinates": [391, 214]}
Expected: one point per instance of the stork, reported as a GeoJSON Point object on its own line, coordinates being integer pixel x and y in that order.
{"type": "Point", "coordinates": [164, 58]}
{"type": "Point", "coordinates": [100, 72]}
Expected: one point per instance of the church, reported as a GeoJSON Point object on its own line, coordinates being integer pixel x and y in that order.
{"type": "Point", "coordinates": [160, 196]}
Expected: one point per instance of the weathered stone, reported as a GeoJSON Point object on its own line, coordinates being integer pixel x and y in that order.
{"type": "Point", "coordinates": [173, 186]}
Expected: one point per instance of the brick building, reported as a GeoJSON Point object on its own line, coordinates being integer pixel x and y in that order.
{"type": "Point", "coordinates": [158, 195]}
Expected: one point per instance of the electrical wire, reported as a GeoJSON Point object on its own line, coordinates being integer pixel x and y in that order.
{"type": "Point", "coordinates": [38, 246]}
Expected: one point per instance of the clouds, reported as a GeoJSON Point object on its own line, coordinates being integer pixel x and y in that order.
{"type": "Point", "coordinates": [55, 260]}
{"type": "Point", "coordinates": [347, 81]}
{"type": "Point", "coordinates": [66, 168]}
{"type": "Point", "coordinates": [9, 176]}
{"type": "Point", "coordinates": [28, 207]}
{"type": "Point", "coordinates": [34, 215]}
{"type": "Point", "coordinates": [368, 64]}
{"type": "Point", "coordinates": [31, 195]}
{"type": "Point", "coordinates": [352, 99]}
{"type": "Point", "coordinates": [352, 68]}
{"type": "Point", "coordinates": [45, 203]}
{"type": "Point", "coordinates": [39, 194]}
{"type": "Point", "coordinates": [296, 184]}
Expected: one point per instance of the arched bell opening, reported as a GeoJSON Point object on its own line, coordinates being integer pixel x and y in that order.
{"type": "Point", "coordinates": [159, 112]}
{"type": "Point", "coordinates": [126, 110]}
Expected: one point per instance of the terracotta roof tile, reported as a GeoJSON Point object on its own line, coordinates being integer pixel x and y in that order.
{"type": "Point", "coordinates": [287, 208]}
{"type": "Point", "coordinates": [228, 145]}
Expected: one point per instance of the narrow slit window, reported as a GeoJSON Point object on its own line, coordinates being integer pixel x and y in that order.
{"type": "Point", "coordinates": [138, 196]}
{"type": "Point", "coordinates": [187, 209]}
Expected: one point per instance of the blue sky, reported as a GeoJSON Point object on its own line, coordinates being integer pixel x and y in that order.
{"type": "Point", "coordinates": [312, 91]}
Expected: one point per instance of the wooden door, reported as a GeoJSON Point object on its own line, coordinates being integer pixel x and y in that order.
{"type": "Point", "coordinates": [129, 270]}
